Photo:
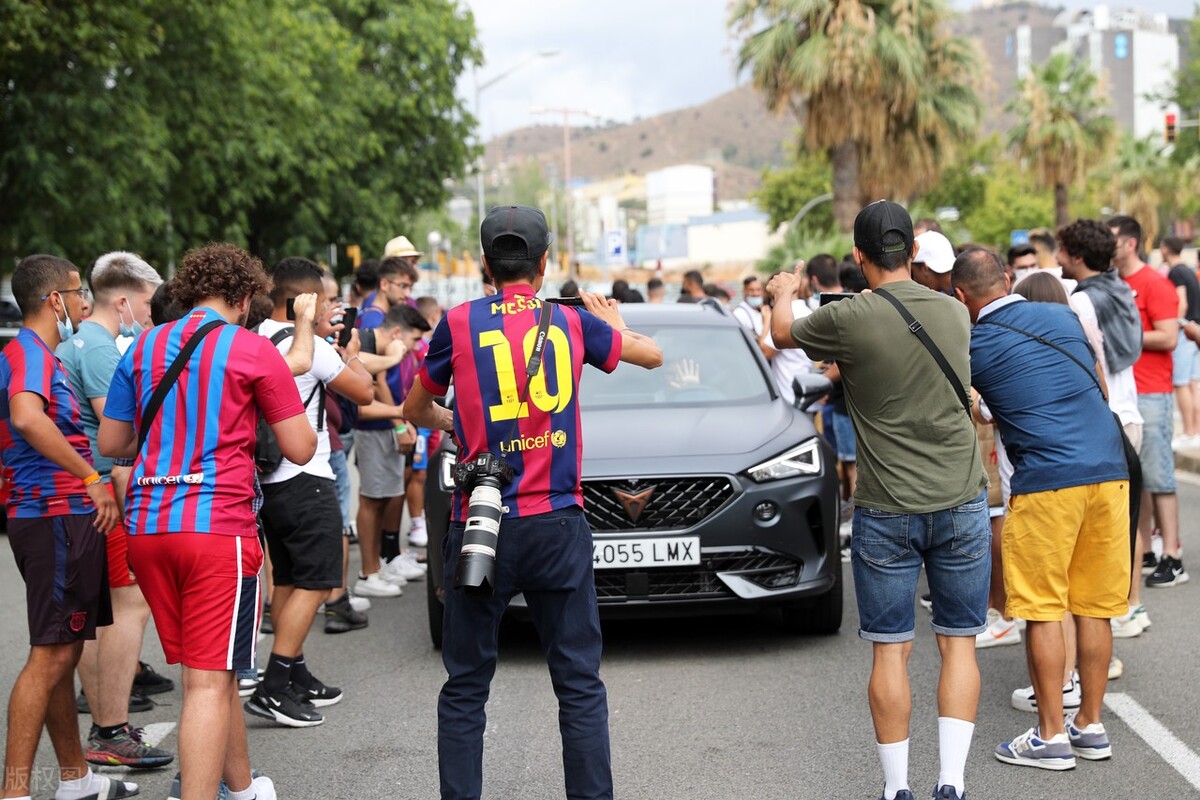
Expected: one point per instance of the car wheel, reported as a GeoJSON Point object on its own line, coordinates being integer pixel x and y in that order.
{"type": "Point", "coordinates": [822, 616]}
{"type": "Point", "coordinates": [437, 613]}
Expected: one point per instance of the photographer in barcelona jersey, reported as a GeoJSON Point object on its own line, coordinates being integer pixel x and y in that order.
{"type": "Point", "coordinates": [518, 523]}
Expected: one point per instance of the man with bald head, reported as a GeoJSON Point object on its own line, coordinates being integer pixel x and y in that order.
{"type": "Point", "coordinates": [1066, 537]}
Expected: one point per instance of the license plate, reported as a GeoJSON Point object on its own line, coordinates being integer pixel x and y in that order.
{"type": "Point", "coordinates": [670, 551]}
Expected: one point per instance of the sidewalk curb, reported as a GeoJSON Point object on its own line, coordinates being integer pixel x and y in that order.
{"type": "Point", "coordinates": [1188, 461]}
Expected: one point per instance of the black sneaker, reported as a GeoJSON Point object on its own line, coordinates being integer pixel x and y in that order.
{"type": "Point", "coordinates": [318, 693]}
{"type": "Point", "coordinates": [350, 534]}
{"type": "Point", "coordinates": [265, 626]}
{"type": "Point", "coordinates": [148, 682]}
{"type": "Point", "coordinates": [1149, 562]}
{"type": "Point", "coordinates": [340, 617]}
{"type": "Point", "coordinates": [1169, 572]}
{"type": "Point", "coordinates": [285, 707]}
{"type": "Point", "coordinates": [138, 702]}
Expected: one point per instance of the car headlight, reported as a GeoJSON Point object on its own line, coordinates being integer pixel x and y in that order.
{"type": "Point", "coordinates": [802, 460]}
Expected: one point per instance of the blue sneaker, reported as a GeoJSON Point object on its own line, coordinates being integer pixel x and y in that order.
{"type": "Point", "coordinates": [948, 793]}
{"type": "Point", "coordinates": [1029, 750]}
{"type": "Point", "coordinates": [903, 794]}
{"type": "Point", "coordinates": [1089, 743]}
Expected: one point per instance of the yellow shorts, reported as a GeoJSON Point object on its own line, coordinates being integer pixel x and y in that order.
{"type": "Point", "coordinates": [1068, 550]}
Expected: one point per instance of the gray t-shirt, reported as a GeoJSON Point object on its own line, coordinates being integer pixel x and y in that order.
{"type": "Point", "coordinates": [917, 448]}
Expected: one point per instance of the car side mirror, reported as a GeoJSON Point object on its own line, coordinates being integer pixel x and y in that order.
{"type": "Point", "coordinates": [810, 389]}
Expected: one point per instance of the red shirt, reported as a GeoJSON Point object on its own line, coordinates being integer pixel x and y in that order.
{"type": "Point", "coordinates": [1156, 300]}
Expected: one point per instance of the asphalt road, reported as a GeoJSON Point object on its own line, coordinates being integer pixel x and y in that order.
{"type": "Point", "coordinates": [700, 708]}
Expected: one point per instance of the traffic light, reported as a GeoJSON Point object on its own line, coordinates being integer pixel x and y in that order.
{"type": "Point", "coordinates": [1171, 128]}
{"type": "Point", "coordinates": [355, 252]}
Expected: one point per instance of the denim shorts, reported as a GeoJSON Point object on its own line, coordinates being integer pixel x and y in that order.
{"type": "Point", "coordinates": [887, 552]}
{"type": "Point", "coordinates": [844, 441]}
{"type": "Point", "coordinates": [1158, 428]}
{"type": "Point", "coordinates": [1184, 358]}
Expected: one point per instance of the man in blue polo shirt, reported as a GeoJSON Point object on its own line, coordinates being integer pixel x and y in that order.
{"type": "Point", "coordinates": [1066, 538]}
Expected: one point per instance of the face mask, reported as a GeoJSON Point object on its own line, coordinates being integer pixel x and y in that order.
{"type": "Point", "coordinates": [133, 328]}
{"type": "Point", "coordinates": [65, 329]}
{"type": "Point", "coordinates": [754, 302]}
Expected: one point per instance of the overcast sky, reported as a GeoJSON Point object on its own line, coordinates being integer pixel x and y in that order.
{"type": "Point", "coordinates": [617, 58]}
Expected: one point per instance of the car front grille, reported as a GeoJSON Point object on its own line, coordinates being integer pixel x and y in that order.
{"type": "Point", "coordinates": [697, 582]}
{"type": "Point", "coordinates": [672, 503]}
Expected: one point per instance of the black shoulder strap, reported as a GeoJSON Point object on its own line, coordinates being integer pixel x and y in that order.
{"type": "Point", "coordinates": [1043, 340]}
{"type": "Point", "coordinates": [545, 315]}
{"type": "Point", "coordinates": [169, 380]}
{"type": "Point", "coordinates": [919, 331]}
{"type": "Point", "coordinates": [285, 333]}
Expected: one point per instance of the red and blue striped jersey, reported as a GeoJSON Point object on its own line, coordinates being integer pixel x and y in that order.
{"type": "Point", "coordinates": [484, 346]}
{"type": "Point", "coordinates": [195, 471]}
{"type": "Point", "coordinates": [34, 486]}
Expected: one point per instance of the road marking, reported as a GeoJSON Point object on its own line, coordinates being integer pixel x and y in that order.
{"type": "Point", "coordinates": [155, 732]}
{"type": "Point", "coordinates": [1181, 757]}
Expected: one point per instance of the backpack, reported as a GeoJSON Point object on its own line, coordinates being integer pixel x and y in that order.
{"type": "Point", "coordinates": [267, 455]}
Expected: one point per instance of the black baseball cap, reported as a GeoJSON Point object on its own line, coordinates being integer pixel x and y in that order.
{"type": "Point", "coordinates": [523, 223]}
{"type": "Point", "coordinates": [883, 227]}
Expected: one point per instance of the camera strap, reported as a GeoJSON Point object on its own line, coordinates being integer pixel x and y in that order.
{"type": "Point", "coordinates": [545, 316]}
{"type": "Point", "coordinates": [171, 377]}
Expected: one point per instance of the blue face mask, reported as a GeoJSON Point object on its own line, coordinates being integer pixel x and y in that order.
{"type": "Point", "coordinates": [65, 329]}
{"type": "Point", "coordinates": [132, 329]}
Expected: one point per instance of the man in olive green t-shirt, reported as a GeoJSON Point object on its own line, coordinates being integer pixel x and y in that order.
{"type": "Point", "coordinates": [921, 497]}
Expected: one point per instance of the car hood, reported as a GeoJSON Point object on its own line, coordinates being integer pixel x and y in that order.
{"type": "Point", "coordinates": [625, 435]}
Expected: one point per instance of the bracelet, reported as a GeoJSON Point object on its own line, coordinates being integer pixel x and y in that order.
{"type": "Point", "coordinates": [356, 358]}
{"type": "Point", "coordinates": [401, 429]}
{"type": "Point", "coordinates": [123, 462]}
{"type": "Point", "coordinates": [92, 480]}
{"type": "Point", "coordinates": [626, 328]}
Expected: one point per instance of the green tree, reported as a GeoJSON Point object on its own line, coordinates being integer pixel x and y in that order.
{"type": "Point", "coordinates": [1061, 125]}
{"type": "Point", "coordinates": [1141, 182]}
{"type": "Point", "coordinates": [876, 84]}
{"type": "Point", "coordinates": [785, 191]}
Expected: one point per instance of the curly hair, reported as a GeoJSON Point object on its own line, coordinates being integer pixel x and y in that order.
{"type": "Point", "coordinates": [1090, 240]}
{"type": "Point", "coordinates": [223, 271]}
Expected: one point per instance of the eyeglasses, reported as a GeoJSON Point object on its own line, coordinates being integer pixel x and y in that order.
{"type": "Point", "coordinates": [82, 291]}
{"type": "Point", "coordinates": [405, 286]}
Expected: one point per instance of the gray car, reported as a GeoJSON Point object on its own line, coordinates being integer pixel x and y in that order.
{"type": "Point", "coordinates": [706, 491]}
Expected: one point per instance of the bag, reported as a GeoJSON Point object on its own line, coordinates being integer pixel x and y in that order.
{"type": "Point", "coordinates": [347, 407]}
{"type": "Point", "coordinates": [267, 455]}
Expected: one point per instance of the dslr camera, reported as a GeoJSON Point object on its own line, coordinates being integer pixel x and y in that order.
{"type": "Point", "coordinates": [482, 479]}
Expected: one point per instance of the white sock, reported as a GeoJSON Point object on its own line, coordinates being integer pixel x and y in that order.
{"type": "Point", "coordinates": [90, 785]}
{"type": "Point", "coordinates": [894, 758]}
{"type": "Point", "coordinates": [954, 743]}
{"type": "Point", "coordinates": [418, 522]}
{"type": "Point", "coordinates": [245, 794]}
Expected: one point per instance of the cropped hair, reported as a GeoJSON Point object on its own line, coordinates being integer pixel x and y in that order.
{"type": "Point", "coordinates": [1128, 227]}
{"type": "Point", "coordinates": [37, 276]}
{"type": "Point", "coordinates": [121, 272]}
{"type": "Point", "coordinates": [295, 276]}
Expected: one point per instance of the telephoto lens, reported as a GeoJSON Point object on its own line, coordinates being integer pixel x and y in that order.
{"type": "Point", "coordinates": [475, 571]}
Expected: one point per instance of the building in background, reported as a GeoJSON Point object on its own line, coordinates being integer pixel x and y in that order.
{"type": "Point", "coordinates": [1135, 55]}
{"type": "Point", "coordinates": [675, 194]}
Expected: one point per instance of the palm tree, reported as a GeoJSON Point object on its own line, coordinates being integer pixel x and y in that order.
{"type": "Point", "coordinates": [875, 83]}
{"type": "Point", "coordinates": [1061, 124]}
{"type": "Point", "coordinates": [1143, 180]}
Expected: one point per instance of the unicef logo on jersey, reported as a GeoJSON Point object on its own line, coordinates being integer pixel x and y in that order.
{"type": "Point", "coordinates": [522, 444]}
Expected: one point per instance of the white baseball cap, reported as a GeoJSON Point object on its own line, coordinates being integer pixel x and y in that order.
{"type": "Point", "coordinates": [935, 252]}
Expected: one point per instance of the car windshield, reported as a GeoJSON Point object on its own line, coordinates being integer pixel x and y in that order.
{"type": "Point", "coordinates": [702, 365]}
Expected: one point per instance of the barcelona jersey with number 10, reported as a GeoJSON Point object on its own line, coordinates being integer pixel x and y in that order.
{"type": "Point", "coordinates": [484, 346]}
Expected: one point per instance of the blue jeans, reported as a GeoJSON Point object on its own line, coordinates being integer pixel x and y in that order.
{"type": "Point", "coordinates": [887, 550]}
{"type": "Point", "coordinates": [1183, 359]}
{"type": "Point", "coordinates": [1158, 428]}
{"type": "Point", "coordinates": [548, 557]}
{"type": "Point", "coordinates": [341, 483]}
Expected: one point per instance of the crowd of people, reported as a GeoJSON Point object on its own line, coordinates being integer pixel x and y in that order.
{"type": "Point", "coordinates": [1016, 445]}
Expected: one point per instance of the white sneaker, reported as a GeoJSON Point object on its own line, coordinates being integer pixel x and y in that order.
{"type": "Point", "coordinates": [264, 788]}
{"type": "Point", "coordinates": [360, 604]}
{"type": "Point", "coordinates": [1127, 626]}
{"type": "Point", "coordinates": [1024, 700]}
{"type": "Point", "coordinates": [393, 572]}
{"type": "Point", "coordinates": [406, 564]}
{"type": "Point", "coordinates": [1116, 668]}
{"type": "Point", "coordinates": [1000, 631]}
{"type": "Point", "coordinates": [418, 536]}
{"type": "Point", "coordinates": [374, 585]}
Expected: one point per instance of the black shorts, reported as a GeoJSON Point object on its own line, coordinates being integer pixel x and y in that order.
{"type": "Point", "coordinates": [303, 526]}
{"type": "Point", "coordinates": [64, 561]}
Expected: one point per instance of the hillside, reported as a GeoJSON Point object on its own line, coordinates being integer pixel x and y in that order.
{"type": "Point", "coordinates": [733, 133]}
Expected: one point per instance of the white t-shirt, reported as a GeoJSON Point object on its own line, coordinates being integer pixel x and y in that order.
{"type": "Point", "coordinates": [787, 364]}
{"type": "Point", "coordinates": [327, 365]}
{"type": "Point", "coordinates": [1122, 389]}
{"type": "Point", "coordinates": [749, 317]}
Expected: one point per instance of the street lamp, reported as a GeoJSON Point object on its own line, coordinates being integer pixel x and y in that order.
{"type": "Point", "coordinates": [566, 115]}
{"type": "Point", "coordinates": [479, 87]}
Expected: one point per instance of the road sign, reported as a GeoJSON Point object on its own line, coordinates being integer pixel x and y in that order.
{"type": "Point", "coordinates": [614, 246]}
{"type": "Point", "coordinates": [1018, 237]}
